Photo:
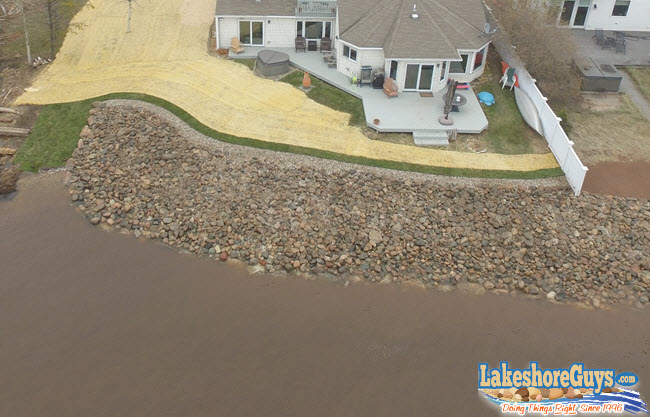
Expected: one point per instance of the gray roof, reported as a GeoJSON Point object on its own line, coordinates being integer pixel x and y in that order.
{"type": "Point", "coordinates": [443, 26]}
{"type": "Point", "coordinates": [256, 8]}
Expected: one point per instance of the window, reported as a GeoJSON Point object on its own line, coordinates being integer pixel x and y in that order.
{"type": "Point", "coordinates": [251, 32]}
{"type": "Point", "coordinates": [459, 67]}
{"type": "Point", "coordinates": [479, 59]}
{"type": "Point", "coordinates": [328, 30]}
{"type": "Point", "coordinates": [245, 32]}
{"type": "Point", "coordinates": [393, 69]}
{"type": "Point", "coordinates": [349, 53]}
{"type": "Point", "coordinates": [621, 7]}
{"type": "Point", "coordinates": [313, 30]}
{"type": "Point", "coordinates": [419, 77]}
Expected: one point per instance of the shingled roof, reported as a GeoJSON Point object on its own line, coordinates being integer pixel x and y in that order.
{"type": "Point", "coordinates": [443, 26]}
{"type": "Point", "coordinates": [256, 8]}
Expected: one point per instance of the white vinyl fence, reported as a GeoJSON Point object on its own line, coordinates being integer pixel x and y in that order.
{"type": "Point", "coordinates": [558, 141]}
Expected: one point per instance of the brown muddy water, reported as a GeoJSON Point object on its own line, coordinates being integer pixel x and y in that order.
{"type": "Point", "coordinates": [94, 323]}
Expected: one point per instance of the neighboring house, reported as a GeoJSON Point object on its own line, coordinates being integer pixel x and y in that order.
{"type": "Point", "coordinates": [619, 15]}
{"type": "Point", "coordinates": [419, 45]}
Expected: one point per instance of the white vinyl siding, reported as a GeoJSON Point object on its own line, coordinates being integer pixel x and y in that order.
{"type": "Point", "coordinates": [603, 17]}
{"type": "Point", "coordinates": [279, 32]}
{"type": "Point", "coordinates": [371, 57]}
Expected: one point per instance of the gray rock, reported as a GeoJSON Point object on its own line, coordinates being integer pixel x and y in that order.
{"type": "Point", "coordinates": [289, 212]}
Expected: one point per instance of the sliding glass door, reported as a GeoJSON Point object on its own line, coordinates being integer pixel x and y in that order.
{"type": "Point", "coordinates": [251, 32]}
{"type": "Point", "coordinates": [315, 30]}
{"type": "Point", "coordinates": [574, 13]}
{"type": "Point", "coordinates": [419, 77]}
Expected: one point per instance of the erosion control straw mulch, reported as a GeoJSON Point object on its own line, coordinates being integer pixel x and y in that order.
{"type": "Point", "coordinates": [165, 56]}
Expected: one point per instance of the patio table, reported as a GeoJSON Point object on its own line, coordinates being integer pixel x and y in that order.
{"type": "Point", "coordinates": [458, 101]}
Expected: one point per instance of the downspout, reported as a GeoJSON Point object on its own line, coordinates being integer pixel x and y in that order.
{"type": "Point", "coordinates": [216, 32]}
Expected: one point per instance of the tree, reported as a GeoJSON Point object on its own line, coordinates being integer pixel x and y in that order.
{"type": "Point", "coordinates": [546, 49]}
{"type": "Point", "coordinates": [29, 50]}
{"type": "Point", "coordinates": [59, 11]}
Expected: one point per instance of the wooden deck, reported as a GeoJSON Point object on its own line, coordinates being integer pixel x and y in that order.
{"type": "Point", "coordinates": [409, 112]}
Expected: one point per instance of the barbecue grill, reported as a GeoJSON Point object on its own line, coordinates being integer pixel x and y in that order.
{"type": "Point", "coordinates": [366, 75]}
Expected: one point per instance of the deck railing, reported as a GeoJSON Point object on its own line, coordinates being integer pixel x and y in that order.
{"type": "Point", "coordinates": [316, 8]}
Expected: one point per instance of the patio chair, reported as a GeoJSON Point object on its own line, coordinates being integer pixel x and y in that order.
{"type": "Point", "coordinates": [301, 44]}
{"type": "Point", "coordinates": [325, 45]}
{"type": "Point", "coordinates": [390, 89]}
{"type": "Point", "coordinates": [330, 60]}
{"type": "Point", "coordinates": [600, 37]}
{"type": "Point", "coordinates": [509, 79]}
{"type": "Point", "coordinates": [236, 46]}
{"type": "Point", "coordinates": [620, 46]}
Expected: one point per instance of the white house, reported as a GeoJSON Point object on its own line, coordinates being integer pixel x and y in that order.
{"type": "Point", "coordinates": [419, 45]}
{"type": "Point", "coordinates": [618, 15]}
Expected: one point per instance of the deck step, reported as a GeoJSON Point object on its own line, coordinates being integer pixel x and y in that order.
{"type": "Point", "coordinates": [430, 137]}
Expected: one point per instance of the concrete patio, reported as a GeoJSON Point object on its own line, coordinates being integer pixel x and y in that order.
{"type": "Point", "coordinates": [637, 54]}
{"type": "Point", "coordinates": [409, 112]}
{"type": "Point", "coordinates": [637, 48]}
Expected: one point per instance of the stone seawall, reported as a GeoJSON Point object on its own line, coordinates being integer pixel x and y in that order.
{"type": "Point", "coordinates": [138, 168]}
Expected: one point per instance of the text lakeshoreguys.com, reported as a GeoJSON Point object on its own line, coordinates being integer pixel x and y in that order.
{"type": "Point", "coordinates": [576, 376]}
{"type": "Point", "coordinates": [561, 391]}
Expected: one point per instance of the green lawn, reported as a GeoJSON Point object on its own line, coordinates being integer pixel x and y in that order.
{"type": "Point", "coordinates": [58, 127]}
{"type": "Point", "coordinates": [331, 97]}
{"type": "Point", "coordinates": [642, 78]}
{"type": "Point", "coordinates": [507, 132]}
{"type": "Point", "coordinates": [54, 136]}
{"type": "Point", "coordinates": [250, 63]}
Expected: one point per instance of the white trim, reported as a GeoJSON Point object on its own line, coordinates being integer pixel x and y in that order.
{"type": "Point", "coordinates": [322, 32]}
{"type": "Point", "coordinates": [461, 52]}
{"type": "Point", "coordinates": [350, 48]}
{"type": "Point", "coordinates": [473, 69]}
{"type": "Point", "coordinates": [423, 60]}
{"type": "Point", "coordinates": [247, 16]}
{"type": "Point", "coordinates": [251, 21]}
{"type": "Point", "coordinates": [574, 12]}
{"type": "Point", "coordinates": [611, 13]}
{"type": "Point", "coordinates": [216, 33]}
{"type": "Point", "coordinates": [358, 48]}
{"type": "Point", "coordinates": [417, 83]}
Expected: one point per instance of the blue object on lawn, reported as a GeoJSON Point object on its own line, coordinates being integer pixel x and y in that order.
{"type": "Point", "coordinates": [486, 98]}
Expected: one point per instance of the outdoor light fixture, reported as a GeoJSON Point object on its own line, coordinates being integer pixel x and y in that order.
{"type": "Point", "coordinates": [595, 6]}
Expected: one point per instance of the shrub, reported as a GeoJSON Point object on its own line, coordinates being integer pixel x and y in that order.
{"type": "Point", "coordinates": [546, 49]}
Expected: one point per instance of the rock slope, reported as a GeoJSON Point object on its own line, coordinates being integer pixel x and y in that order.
{"type": "Point", "coordinates": [140, 169]}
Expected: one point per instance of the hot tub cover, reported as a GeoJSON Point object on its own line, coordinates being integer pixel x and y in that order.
{"type": "Point", "coordinates": [272, 57]}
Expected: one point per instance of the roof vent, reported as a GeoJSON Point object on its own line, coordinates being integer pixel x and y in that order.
{"type": "Point", "coordinates": [415, 14]}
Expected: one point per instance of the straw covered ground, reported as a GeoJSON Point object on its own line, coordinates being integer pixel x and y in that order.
{"type": "Point", "coordinates": [165, 55]}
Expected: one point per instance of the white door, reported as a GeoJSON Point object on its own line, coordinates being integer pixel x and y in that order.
{"type": "Point", "coordinates": [574, 13]}
{"type": "Point", "coordinates": [419, 77]}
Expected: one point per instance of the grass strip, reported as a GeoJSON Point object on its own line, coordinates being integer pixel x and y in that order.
{"type": "Point", "coordinates": [56, 133]}
{"type": "Point", "coordinates": [330, 96]}
{"type": "Point", "coordinates": [641, 77]}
